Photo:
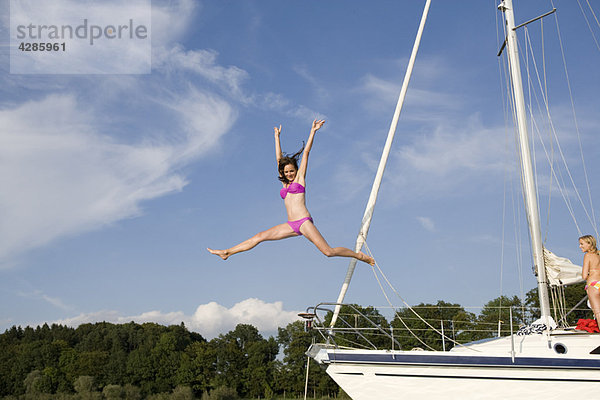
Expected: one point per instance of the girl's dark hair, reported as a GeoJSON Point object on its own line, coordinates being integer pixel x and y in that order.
{"type": "Point", "coordinates": [288, 159]}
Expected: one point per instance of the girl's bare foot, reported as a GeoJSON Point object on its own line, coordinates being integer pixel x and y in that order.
{"type": "Point", "coordinates": [365, 258]}
{"type": "Point", "coordinates": [221, 253]}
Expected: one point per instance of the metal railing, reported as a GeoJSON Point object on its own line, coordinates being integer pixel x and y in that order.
{"type": "Point", "coordinates": [359, 327]}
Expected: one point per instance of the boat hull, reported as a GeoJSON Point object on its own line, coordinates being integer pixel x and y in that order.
{"type": "Point", "coordinates": [363, 382]}
{"type": "Point", "coordinates": [485, 371]}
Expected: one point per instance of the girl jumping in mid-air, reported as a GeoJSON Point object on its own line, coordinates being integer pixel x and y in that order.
{"type": "Point", "coordinates": [299, 221]}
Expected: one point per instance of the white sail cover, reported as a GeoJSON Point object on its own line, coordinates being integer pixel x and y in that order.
{"type": "Point", "coordinates": [561, 271]}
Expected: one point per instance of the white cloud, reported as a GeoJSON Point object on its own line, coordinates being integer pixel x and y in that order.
{"type": "Point", "coordinates": [441, 161]}
{"type": "Point", "coordinates": [229, 80]}
{"type": "Point", "coordinates": [379, 91]}
{"type": "Point", "coordinates": [351, 180]}
{"type": "Point", "coordinates": [321, 93]}
{"type": "Point", "coordinates": [427, 223]}
{"type": "Point", "coordinates": [170, 19]}
{"type": "Point", "coordinates": [381, 95]}
{"type": "Point", "coordinates": [62, 175]}
{"type": "Point", "coordinates": [447, 151]}
{"type": "Point", "coordinates": [203, 63]}
{"type": "Point", "coordinates": [209, 319]}
{"type": "Point", "coordinates": [213, 318]}
{"type": "Point", "coordinates": [203, 118]}
{"type": "Point", "coordinates": [39, 295]}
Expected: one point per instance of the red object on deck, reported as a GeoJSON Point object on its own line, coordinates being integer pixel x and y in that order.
{"type": "Point", "coordinates": [589, 325]}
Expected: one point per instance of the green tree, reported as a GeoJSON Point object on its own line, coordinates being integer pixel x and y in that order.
{"type": "Point", "coordinates": [131, 392]}
{"type": "Point", "coordinates": [51, 378]}
{"type": "Point", "coordinates": [165, 359]}
{"type": "Point", "coordinates": [222, 393]}
{"type": "Point", "coordinates": [368, 320]}
{"type": "Point", "coordinates": [290, 376]}
{"type": "Point", "coordinates": [499, 309]}
{"type": "Point", "coordinates": [421, 327]}
{"type": "Point", "coordinates": [112, 354]}
{"type": "Point", "coordinates": [573, 294]}
{"type": "Point", "coordinates": [84, 384]}
{"type": "Point", "coordinates": [244, 361]}
{"type": "Point", "coordinates": [259, 372]}
{"type": "Point", "coordinates": [86, 388]}
{"type": "Point", "coordinates": [139, 369]}
{"type": "Point", "coordinates": [113, 392]}
{"type": "Point", "coordinates": [93, 363]}
{"type": "Point", "coordinates": [32, 382]}
{"type": "Point", "coordinates": [182, 393]}
{"type": "Point", "coordinates": [197, 367]}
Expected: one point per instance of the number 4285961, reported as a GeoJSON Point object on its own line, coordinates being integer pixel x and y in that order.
{"type": "Point", "coordinates": [26, 46]}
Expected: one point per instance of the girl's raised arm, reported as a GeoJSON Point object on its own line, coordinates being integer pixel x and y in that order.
{"type": "Point", "coordinates": [316, 125]}
{"type": "Point", "coordinates": [278, 153]}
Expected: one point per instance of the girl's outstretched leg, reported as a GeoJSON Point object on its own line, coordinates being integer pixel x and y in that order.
{"type": "Point", "coordinates": [278, 232]}
{"type": "Point", "coordinates": [311, 232]}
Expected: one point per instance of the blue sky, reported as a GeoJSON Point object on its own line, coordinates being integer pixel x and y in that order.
{"type": "Point", "coordinates": [114, 185]}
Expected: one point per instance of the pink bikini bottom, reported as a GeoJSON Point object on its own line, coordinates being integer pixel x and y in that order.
{"type": "Point", "coordinates": [295, 225]}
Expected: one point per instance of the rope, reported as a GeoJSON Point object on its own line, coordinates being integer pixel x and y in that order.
{"type": "Point", "coordinates": [405, 303]}
{"type": "Point", "coordinates": [390, 303]}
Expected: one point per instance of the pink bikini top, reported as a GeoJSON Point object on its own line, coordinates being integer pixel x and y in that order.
{"type": "Point", "coordinates": [294, 187]}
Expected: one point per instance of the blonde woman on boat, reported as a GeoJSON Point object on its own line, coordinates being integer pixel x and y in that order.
{"type": "Point", "coordinates": [300, 222]}
{"type": "Point", "coordinates": [591, 272]}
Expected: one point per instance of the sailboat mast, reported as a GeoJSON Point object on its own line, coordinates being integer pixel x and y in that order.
{"type": "Point", "coordinates": [368, 215]}
{"type": "Point", "coordinates": [527, 177]}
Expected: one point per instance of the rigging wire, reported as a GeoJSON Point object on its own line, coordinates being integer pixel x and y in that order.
{"type": "Point", "coordinates": [405, 303]}
{"type": "Point", "coordinates": [593, 13]}
{"type": "Point", "coordinates": [558, 295]}
{"type": "Point", "coordinates": [588, 22]}
{"type": "Point", "coordinates": [551, 141]}
{"type": "Point", "coordinates": [589, 212]}
{"type": "Point", "coordinates": [534, 127]}
{"type": "Point", "coordinates": [550, 156]}
{"type": "Point", "coordinates": [516, 205]}
{"type": "Point", "coordinates": [507, 106]}
{"type": "Point", "coordinates": [531, 120]}
{"type": "Point", "coordinates": [505, 171]}
{"type": "Point", "coordinates": [593, 217]}
{"type": "Point", "coordinates": [506, 143]}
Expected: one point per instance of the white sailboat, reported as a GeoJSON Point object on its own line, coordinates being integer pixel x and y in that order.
{"type": "Point", "coordinates": [553, 362]}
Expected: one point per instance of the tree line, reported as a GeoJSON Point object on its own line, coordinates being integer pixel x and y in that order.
{"type": "Point", "coordinates": [135, 361]}
{"type": "Point", "coordinates": [152, 361]}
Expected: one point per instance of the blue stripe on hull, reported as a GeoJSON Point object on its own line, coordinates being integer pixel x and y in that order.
{"type": "Point", "coordinates": [503, 378]}
{"type": "Point", "coordinates": [467, 361]}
